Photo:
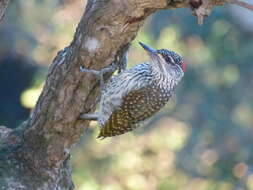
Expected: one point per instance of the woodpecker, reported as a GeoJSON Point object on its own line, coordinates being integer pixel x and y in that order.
{"type": "Point", "coordinates": [136, 94]}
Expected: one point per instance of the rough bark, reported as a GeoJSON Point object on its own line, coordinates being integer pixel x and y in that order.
{"type": "Point", "coordinates": [36, 154]}
{"type": "Point", "coordinates": [3, 6]}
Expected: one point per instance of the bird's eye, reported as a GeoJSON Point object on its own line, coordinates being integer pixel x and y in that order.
{"type": "Point", "coordinates": [169, 59]}
{"type": "Point", "coordinates": [167, 56]}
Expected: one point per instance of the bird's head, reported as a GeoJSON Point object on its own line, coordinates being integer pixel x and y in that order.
{"type": "Point", "coordinates": [164, 56]}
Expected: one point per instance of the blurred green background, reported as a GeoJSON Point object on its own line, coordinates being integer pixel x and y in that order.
{"type": "Point", "coordinates": [202, 140]}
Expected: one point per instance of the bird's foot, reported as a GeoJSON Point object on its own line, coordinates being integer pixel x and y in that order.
{"type": "Point", "coordinates": [110, 69]}
{"type": "Point", "coordinates": [89, 116]}
{"type": "Point", "coordinates": [100, 74]}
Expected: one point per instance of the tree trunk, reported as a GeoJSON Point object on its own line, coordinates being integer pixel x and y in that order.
{"type": "Point", "coordinates": [36, 154]}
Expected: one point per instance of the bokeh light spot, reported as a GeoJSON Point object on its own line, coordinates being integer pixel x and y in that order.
{"type": "Point", "coordinates": [250, 182]}
{"type": "Point", "coordinates": [231, 74]}
{"type": "Point", "coordinates": [30, 96]}
{"type": "Point", "coordinates": [209, 157]}
{"type": "Point", "coordinates": [240, 169]}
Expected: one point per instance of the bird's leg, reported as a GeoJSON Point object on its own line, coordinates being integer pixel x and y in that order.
{"type": "Point", "coordinates": [120, 63]}
{"type": "Point", "coordinates": [100, 74]}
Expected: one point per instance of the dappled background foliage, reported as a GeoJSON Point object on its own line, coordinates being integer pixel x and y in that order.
{"type": "Point", "coordinates": [202, 140]}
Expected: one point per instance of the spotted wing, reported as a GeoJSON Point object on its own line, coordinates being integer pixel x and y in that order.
{"type": "Point", "coordinates": [137, 106]}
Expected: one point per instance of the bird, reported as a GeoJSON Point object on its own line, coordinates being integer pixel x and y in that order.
{"type": "Point", "coordinates": [136, 94]}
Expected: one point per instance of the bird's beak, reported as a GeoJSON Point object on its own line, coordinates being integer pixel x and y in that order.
{"type": "Point", "coordinates": [154, 56]}
{"type": "Point", "coordinates": [147, 48]}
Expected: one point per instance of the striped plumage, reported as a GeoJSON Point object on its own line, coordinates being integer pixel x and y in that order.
{"type": "Point", "coordinates": [138, 93]}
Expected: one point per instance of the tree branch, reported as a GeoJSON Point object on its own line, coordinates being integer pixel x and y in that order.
{"type": "Point", "coordinates": [242, 4]}
{"type": "Point", "coordinates": [3, 6]}
{"type": "Point", "coordinates": [44, 141]}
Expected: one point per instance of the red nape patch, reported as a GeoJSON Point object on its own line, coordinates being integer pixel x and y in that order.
{"type": "Point", "coordinates": [184, 66]}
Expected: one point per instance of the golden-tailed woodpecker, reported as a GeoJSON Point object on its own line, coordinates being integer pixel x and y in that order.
{"type": "Point", "coordinates": [136, 94]}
